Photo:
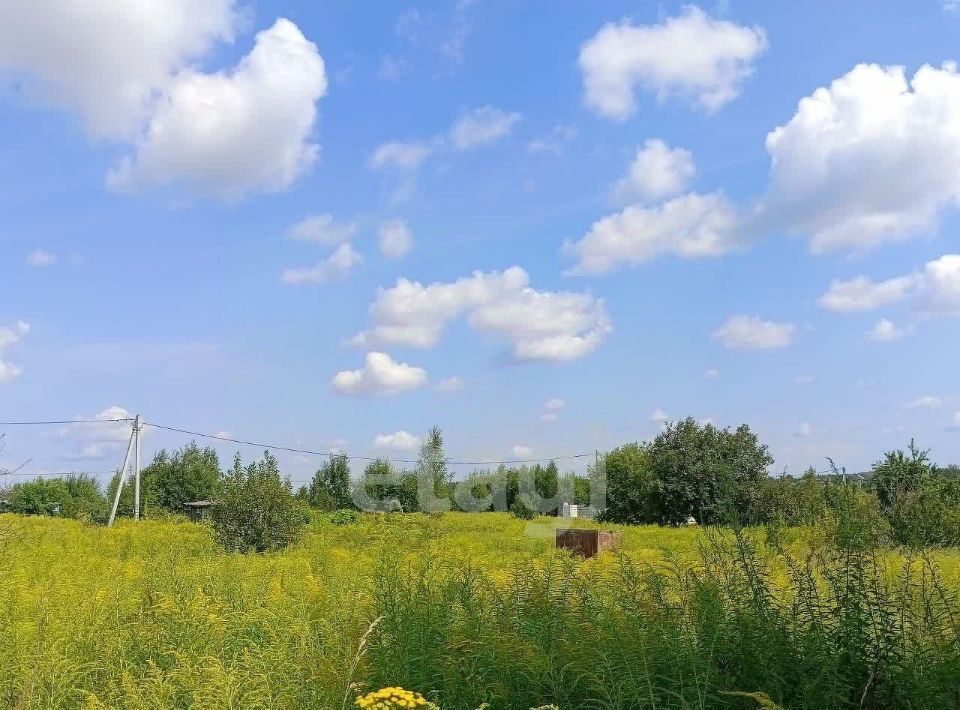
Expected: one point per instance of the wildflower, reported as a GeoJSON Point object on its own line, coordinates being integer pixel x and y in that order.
{"type": "Point", "coordinates": [392, 698]}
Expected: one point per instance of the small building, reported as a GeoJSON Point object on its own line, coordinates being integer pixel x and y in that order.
{"type": "Point", "coordinates": [587, 543]}
{"type": "Point", "coordinates": [199, 510]}
{"type": "Point", "coordinates": [571, 510]}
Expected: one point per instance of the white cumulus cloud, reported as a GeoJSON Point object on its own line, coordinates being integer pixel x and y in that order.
{"type": "Point", "coordinates": [521, 451]}
{"type": "Point", "coordinates": [322, 229]}
{"type": "Point", "coordinates": [230, 133]}
{"type": "Point", "coordinates": [691, 56]}
{"type": "Point", "coordinates": [744, 332]}
{"type": "Point", "coordinates": [107, 60]}
{"type": "Point", "coordinates": [482, 126]}
{"type": "Point", "coordinates": [863, 294]}
{"type": "Point", "coordinates": [657, 171]}
{"type": "Point", "coordinates": [932, 290]}
{"type": "Point", "coordinates": [380, 375]}
{"type": "Point", "coordinates": [539, 325]}
{"type": "Point", "coordinates": [335, 267]}
{"type": "Point", "coordinates": [399, 155]}
{"type": "Point", "coordinates": [873, 158]}
{"type": "Point", "coordinates": [10, 336]}
{"type": "Point", "coordinates": [885, 331]}
{"type": "Point", "coordinates": [688, 226]}
{"type": "Point", "coordinates": [397, 441]}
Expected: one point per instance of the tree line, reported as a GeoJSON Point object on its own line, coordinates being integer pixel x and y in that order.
{"type": "Point", "coordinates": [690, 472]}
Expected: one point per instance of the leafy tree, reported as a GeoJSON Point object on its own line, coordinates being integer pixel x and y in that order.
{"type": "Point", "coordinates": [433, 474]}
{"type": "Point", "coordinates": [900, 473]}
{"type": "Point", "coordinates": [256, 511]}
{"type": "Point", "coordinates": [390, 490]}
{"type": "Point", "coordinates": [706, 472]}
{"type": "Point", "coordinates": [631, 485]}
{"type": "Point", "coordinates": [69, 497]}
{"type": "Point", "coordinates": [187, 475]}
{"type": "Point", "coordinates": [330, 487]}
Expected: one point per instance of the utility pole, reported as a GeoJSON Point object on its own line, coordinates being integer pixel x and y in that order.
{"type": "Point", "coordinates": [136, 480]}
{"type": "Point", "coordinates": [123, 473]}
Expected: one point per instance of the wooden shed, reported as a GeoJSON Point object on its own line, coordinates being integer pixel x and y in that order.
{"type": "Point", "coordinates": [199, 510]}
{"type": "Point", "coordinates": [587, 543]}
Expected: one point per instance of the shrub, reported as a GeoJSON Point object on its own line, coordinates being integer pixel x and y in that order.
{"type": "Point", "coordinates": [330, 487]}
{"type": "Point", "coordinates": [69, 497]}
{"type": "Point", "coordinates": [521, 511]}
{"type": "Point", "coordinates": [344, 516]}
{"type": "Point", "coordinates": [257, 511]}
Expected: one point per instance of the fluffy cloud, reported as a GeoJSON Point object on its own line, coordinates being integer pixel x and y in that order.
{"type": "Point", "coordinates": [692, 56]}
{"type": "Point", "coordinates": [657, 171]}
{"type": "Point", "coordinates": [540, 325]}
{"type": "Point", "coordinates": [864, 294]}
{"type": "Point", "coordinates": [102, 434]}
{"type": "Point", "coordinates": [805, 430]}
{"type": "Point", "coordinates": [322, 229]}
{"type": "Point", "coordinates": [873, 158]}
{"type": "Point", "coordinates": [521, 451]}
{"type": "Point", "coordinates": [397, 441]}
{"type": "Point", "coordinates": [689, 226]}
{"type": "Point", "coordinates": [396, 239]}
{"type": "Point", "coordinates": [336, 267]}
{"type": "Point", "coordinates": [885, 331]}
{"type": "Point", "coordinates": [934, 290]}
{"type": "Point", "coordinates": [230, 133]}
{"type": "Point", "coordinates": [380, 375]}
{"type": "Point", "coordinates": [108, 60]}
{"type": "Point", "coordinates": [399, 155]}
{"type": "Point", "coordinates": [659, 417]}
{"type": "Point", "coordinates": [40, 258]}
{"type": "Point", "coordinates": [482, 126]}
{"type": "Point", "coordinates": [10, 336]}
{"type": "Point", "coordinates": [752, 333]}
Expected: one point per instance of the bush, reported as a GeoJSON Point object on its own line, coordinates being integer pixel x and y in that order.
{"type": "Point", "coordinates": [344, 516]}
{"type": "Point", "coordinates": [330, 487]}
{"type": "Point", "coordinates": [74, 497]}
{"type": "Point", "coordinates": [257, 511]}
{"type": "Point", "coordinates": [521, 511]}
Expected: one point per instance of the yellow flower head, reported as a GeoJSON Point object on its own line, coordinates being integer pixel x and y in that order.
{"type": "Point", "coordinates": [390, 699]}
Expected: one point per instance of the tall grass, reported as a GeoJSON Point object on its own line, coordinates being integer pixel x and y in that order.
{"type": "Point", "coordinates": [833, 629]}
{"type": "Point", "coordinates": [473, 609]}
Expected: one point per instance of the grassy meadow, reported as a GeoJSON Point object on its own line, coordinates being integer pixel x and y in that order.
{"type": "Point", "coordinates": [468, 609]}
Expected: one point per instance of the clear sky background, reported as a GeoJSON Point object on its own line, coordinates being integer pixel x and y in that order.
{"type": "Point", "coordinates": [546, 227]}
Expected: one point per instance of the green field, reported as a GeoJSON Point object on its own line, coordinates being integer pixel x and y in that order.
{"type": "Point", "coordinates": [472, 608]}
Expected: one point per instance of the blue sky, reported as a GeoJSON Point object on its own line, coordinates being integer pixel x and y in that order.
{"type": "Point", "coordinates": [544, 228]}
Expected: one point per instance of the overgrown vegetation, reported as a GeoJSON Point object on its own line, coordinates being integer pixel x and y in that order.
{"type": "Point", "coordinates": [471, 609]}
{"type": "Point", "coordinates": [690, 472]}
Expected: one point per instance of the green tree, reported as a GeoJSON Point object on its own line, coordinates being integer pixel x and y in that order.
{"type": "Point", "coordinates": [189, 474]}
{"type": "Point", "coordinates": [433, 474]}
{"type": "Point", "coordinates": [706, 472]}
{"type": "Point", "coordinates": [330, 487]}
{"type": "Point", "coordinates": [899, 473]}
{"type": "Point", "coordinates": [77, 497]}
{"type": "Point", "coordinates": [257, 511]}
{"type": "Point", "coordinates": [631, 485]}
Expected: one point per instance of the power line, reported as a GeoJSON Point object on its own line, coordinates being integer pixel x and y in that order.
{"type": "Point", "coordinates": [67, 421]}
{"type": "Point", "coordinates": [57, 474]}
{"type": "Point", "coordinates": [308, 452]}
